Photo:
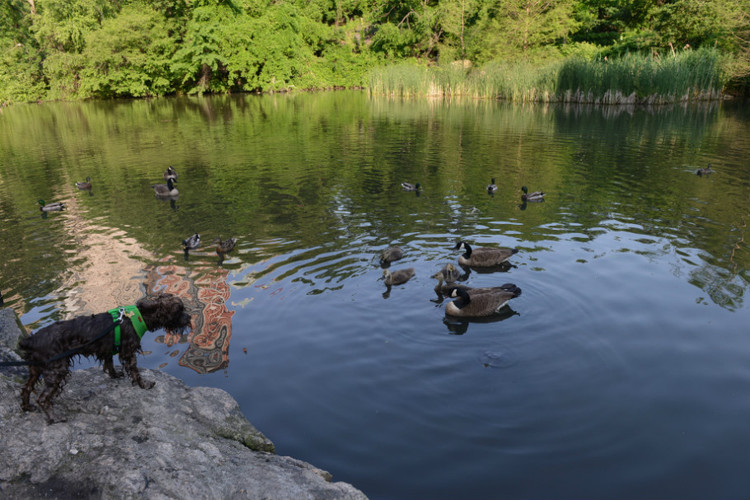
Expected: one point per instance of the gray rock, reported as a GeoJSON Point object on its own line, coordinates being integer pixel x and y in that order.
{"type": "Point", "coordinates": [172, 441]}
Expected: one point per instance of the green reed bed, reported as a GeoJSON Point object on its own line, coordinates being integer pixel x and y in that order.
{"type": "Point", "coordinates": [633, 78]}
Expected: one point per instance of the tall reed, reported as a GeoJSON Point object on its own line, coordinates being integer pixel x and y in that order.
{"type": "Point", "coordinates": [633, 78]}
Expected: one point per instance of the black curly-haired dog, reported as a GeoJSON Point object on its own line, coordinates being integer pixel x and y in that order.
{"type": "Point", "coordinates": [77, 337]}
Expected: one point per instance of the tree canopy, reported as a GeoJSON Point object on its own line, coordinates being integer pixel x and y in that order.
{"type": "Point", "coordinates": [72, 49]}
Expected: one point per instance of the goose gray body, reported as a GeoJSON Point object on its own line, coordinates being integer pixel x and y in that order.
{"type": "Point", "coordinates": [391, 254]}
{"type": "Point", "coordinates": [484, 256]}
{"type": "Point", "coordinates": [477, 305]}
{"type": "Point", "coordinates": [166, 190]}
{"type": "Point", "coordinates": [398, 277]}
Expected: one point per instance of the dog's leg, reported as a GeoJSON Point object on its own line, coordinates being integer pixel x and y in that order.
{"type": "Point", "coordinates": [109, 368]}
{"type": "Point", "coordinates": [130, 364]}
{"type": "Point", "coordinates": [53, 384]}
{"type": "Point", "coordinates": [28, 387]}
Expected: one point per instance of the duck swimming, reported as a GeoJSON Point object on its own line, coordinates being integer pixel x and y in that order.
{"type": "Point", "coordinates": [704, 171]}
{"type": "Point", "coordinates": [491, 187]}
{"type": "Point", "coordinates": [407, 186]}
{"type": "Point", "coordinates": [224, 247]}
{"type": "Point", "coordinates": [483, 257]}
{"type": "Point", "coordinates": [84, 185]}
{"type": "Point", "coordinates": [192, 242]}
{"type": "Point", "coordinates": [535, 196]}
{"type": "Point", "coordinates": [52, 207]}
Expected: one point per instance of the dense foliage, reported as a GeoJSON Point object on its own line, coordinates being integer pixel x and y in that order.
{"type": "Point", "coordinates": [67, 49]}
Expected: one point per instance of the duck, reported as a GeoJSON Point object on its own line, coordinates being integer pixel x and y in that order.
{"type": "Point", "coordinates": [391, 254]}
{"type": "Point", "coordinates": [704, 171]}
{"type": "Point", "coordinates": [407, 186]}
{"type": "Point", "coordinates": [397, 277]}
{"type": "Point", "coordinates": [84, 185]}
{"type": "Point", "coordinates": [170, 173]}
{"type": "Point", "coordinates": [167, 189]}
{"type": "Point", "coordinates": [492, 187]}
{"type": "Point", "coordinates": [192, 242]}
{"type": "Point", "coordinates": [535, 196]}
{"type": "Point", "coordinates": [52, 207]}
{"type": "Point", "coordinates": [483, 257]}
{"type": "Point", "coordinates": [224, 247]}
{"type": "Point", "coordinates": [477, 305]}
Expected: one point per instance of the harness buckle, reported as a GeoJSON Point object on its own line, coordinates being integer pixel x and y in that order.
{"type": "Point", "coordinates": [122, 314]}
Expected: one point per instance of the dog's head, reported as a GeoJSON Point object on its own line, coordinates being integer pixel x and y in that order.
{"type": "Point", "coordinates": [164, 311]}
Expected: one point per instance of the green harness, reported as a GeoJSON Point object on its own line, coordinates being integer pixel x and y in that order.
{"type": "Point", "coordinates": [132, 312]}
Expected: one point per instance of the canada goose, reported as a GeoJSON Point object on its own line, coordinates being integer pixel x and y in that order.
{"type": "Point", "coordinates": [535, 196]}
{"type": "Point", "coordinates": [391, 254]}
{"type": "Point", "coordinates": [192, 242]}
{"type": "Point", "coordinates": [475, 305]}
{"type": "Point", "coordinates": [449, 273]}
{"type": "Point", "coordinates": [407, 186]}
{"type": "Point", "coordinates": [446, 288]}
{"type": "Point", "coordinates": [224, 247]}
{"type": "Point", "coordinates": [170, 172]}
{"type": "Point", "coordinates": [704, 171]}
{"type": "Point", "coordinates": [52, 207]}
{"type": "Point", "coordinates": [492, 187]}
{"type": "Point", "coordinates": [483, 257]}
{"type": "Point", "coordinates": [84, 185]}
{"type": "Point", "coordinates": [167, 189]}
{"type": "Point", "coordinates": [397, 277]}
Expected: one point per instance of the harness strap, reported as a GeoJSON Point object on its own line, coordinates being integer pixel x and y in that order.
{"type": "Point", "coordinates": [136, 319]}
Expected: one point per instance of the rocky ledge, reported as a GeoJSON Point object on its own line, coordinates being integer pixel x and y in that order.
{"type": "Point", "coordinates": [120, 441]}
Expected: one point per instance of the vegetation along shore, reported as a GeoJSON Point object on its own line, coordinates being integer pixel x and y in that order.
{"type": "Point", "coordinates": [605, 51]}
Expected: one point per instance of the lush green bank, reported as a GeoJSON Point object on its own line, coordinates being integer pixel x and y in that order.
{"type": "Point", "coordinates": [527, 50]}
{"type": "Point", "coordinates": [633, 78]}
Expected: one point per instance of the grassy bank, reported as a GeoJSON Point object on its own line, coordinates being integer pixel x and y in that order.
{"type": "Point", "coordinates": [634, 78]}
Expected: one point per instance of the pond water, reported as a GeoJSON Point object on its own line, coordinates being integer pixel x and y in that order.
{"type": "Point", "coordinates": [622, 370]}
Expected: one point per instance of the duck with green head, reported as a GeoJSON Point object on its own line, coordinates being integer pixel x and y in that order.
{"type": "Point", "coordinates": [492, 187]}
{"type": "Point", "coordinates": [407, 186]}
{"type": "Point", "coordinates": [52, 207]}
{"type": "Point", "coordinates": [535, 196]}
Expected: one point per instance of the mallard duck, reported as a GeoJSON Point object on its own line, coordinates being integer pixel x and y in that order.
{"type": "Point", "coordinates": [491, 187]}
{"type": "Point", "coordinates": [192, 242]}
{"type": "Point", "coordinates": [84, 185]}
{"type": "Point", "coordinates": [475, 305]}
{"type": "Point", "coordinates": [166, 190]}
{"type": "Point", "coordinates": [483, 257]}
{"type": "Point", "coordinates": [52, 207]}
{"type": "Point", "coordinates": [397, 277]}
{"type": "Point", "coordinates": [391, 254]}
{"type": "Point", "coordinates": [704, 171]}
{"type": "Point", "coordinates": [170, 173]}
{"type": "Point", "coordinates": [224, 247]}
{"type": "Point", "coordinates": [535, 196]}
{"type": "Point", "coordinates": [407, 186]}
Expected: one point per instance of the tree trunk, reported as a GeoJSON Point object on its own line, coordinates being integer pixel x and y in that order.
{"type": "Point", "coordinates": [33, 7]}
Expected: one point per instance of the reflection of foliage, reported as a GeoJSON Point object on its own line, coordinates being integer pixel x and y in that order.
{"type": "Point", "coordinates": [286, 168]}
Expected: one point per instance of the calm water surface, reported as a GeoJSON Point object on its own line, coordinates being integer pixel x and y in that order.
{"type": "Point", "coordinates": [621, 372]}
